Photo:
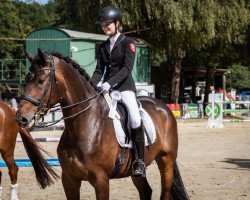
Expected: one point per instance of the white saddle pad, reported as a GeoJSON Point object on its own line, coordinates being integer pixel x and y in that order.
{"type": "Point", "coordinates": [150, 136]}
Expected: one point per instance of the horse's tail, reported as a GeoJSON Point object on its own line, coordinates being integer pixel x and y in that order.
{"type": "Point", "coordinates": [178, 189]}
{"type": "Point", "coordinates": [42, 169]}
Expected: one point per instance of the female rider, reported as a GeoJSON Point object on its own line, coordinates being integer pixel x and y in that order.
{"type": "Point", "coordinates": [115, 62]}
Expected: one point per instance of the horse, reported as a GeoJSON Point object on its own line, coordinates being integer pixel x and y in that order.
{"type": "Point", "coordinates": [88, 149]}
{"type": "Point", "coordinates": [8, 133]}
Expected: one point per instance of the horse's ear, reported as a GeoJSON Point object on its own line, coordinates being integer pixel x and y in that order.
{"type": "Point", "coordinates": [42, 56]}
{"type": "Point", "coordinates": [40, 52]}
{"type": "Point", "coordinates": [29, 56]}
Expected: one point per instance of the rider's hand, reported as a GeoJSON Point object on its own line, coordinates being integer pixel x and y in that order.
{"type": "Point", "coordinates": [105, 87]}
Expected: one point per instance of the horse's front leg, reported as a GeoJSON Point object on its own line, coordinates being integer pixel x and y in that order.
{"type": "Point", "coordinates": [1, 188]}
{"type": "Point", "coordinates": [13, 170]}
{"type": "Point", "coordinates": [100, 182]}
{"type": "Point", "coordinates": [71, 186]}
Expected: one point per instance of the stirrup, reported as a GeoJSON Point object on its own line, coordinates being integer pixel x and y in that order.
{"type": "Point", "coordinates": [138, 169]}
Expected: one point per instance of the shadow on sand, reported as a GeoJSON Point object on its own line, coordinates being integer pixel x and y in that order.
{"type": "Point", "coordinates": [243, 164]}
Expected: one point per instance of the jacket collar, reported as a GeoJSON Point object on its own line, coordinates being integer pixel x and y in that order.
{"type": "Point", "coordinates": [114, 38]}
{"type": "Point", "coordinates": [107, 45]}
{"type": "Point", "coordinates": [119, 39]}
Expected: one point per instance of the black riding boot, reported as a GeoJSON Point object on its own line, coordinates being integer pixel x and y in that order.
{"type": "Point", "coordinates": [138, 166]}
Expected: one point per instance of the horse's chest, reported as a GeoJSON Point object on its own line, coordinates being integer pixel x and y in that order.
{"type": "Point", "coordinates": [74, 164]}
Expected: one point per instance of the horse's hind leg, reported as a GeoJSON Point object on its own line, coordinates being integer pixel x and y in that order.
{"type": "Point", "coordinates": [143, 188]}
{"type": "Point", "coordinates": [166, 165]}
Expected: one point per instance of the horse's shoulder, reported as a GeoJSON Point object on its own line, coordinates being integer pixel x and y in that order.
{"type": "Point", "coordinates": [4, 106]}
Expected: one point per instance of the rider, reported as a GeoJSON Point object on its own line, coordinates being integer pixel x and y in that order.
{"type": "Point", "coordinates": [115, 62]}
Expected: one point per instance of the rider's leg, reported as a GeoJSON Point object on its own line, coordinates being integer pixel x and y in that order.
{"type": "Point", "coordinates": [138, 167]}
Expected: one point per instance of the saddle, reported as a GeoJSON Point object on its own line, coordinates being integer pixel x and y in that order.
{"type": "Point", "coordinates": [119, 114]}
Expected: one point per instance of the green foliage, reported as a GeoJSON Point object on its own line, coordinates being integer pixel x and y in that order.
{"type": "Point", "coordinates": [203, 32]}
{"type": "Point", "coordinates": [195, 31]}
{"type": "Point", "coordinates": [190, 24]}
{"type": "Point", "coordinates": [239, 77]}
{"type": "Point", "coordinates": [78, 15]}
{"type": "Point", "coordinates": [18, 19]}
{"type": "Point", "coordinates": [10, 27]}
{"type": "Point", "coordinates": [35, 15]}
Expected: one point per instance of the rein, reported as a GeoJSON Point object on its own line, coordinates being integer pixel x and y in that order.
{"type": "Point", "coordinates": [47, 124]}
{"type": "Point", "coordinates": [43, 109]}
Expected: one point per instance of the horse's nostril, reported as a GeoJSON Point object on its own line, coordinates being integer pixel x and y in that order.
{"type": "Point", "coordinates": [22, 121]}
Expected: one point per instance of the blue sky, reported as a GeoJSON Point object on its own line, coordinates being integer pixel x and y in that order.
{"type": "Point", "coordinates": [39, 1]}
{"type": "Point", "coordinates": [42, 1]}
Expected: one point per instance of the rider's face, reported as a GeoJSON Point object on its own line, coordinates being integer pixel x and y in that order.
{"type": "Point", "coordinates": [108, 28]}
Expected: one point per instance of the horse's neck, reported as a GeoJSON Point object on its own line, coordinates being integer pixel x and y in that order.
{"type": "Point", "coordinates": [76, 88]}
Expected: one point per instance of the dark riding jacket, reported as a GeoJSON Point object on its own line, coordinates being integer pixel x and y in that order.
{"type": "Point", "coordinates": [116, 66]}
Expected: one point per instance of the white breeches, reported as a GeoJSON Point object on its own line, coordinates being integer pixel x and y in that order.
{"type": "Point", "coordinates": [129, 99]}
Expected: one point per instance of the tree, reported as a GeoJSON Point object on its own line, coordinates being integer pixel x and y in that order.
{"type": "Point", "coordinates": [17, 20]}
{"type": "Point", "coordinates": [239, 77]}
{"type": "Point", "coordinates": [78, 15]}
{"type": "Point", "coordinates": [178, 27]}
{"type": "Point", "coordinates": [208, 29]}
{"type": "Point", "coordinates": [34, 15]}
{"type": "Point", "coordinates": [10, 27]}
{"type": "Point", "coordinates": [232, 20]}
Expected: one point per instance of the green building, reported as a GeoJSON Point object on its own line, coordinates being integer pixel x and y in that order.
{"type": "Point", "coordinates": [81, 47]}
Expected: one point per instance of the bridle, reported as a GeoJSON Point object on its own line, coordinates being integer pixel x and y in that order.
{"type": "Point", "coordinates": [43, 107]}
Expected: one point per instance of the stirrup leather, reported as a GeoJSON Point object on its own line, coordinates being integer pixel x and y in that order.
{"type": "Point", "coordinates": [138, 169]}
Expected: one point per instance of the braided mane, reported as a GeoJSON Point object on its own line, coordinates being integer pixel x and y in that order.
{"type": "Point", "coordinates": [68, 60]}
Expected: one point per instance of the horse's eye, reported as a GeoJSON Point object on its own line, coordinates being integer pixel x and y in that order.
{"type": "Point", "coordinates": [40, 81]}
{"type": "Point", "coordinates": [29, 77]}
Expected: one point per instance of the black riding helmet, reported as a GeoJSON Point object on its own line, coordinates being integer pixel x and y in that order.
{"type": "Point", "coordinates": [109, 14]}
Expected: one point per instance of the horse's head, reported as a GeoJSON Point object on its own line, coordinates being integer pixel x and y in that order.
{"type": "Point", "coordinates": [40, 85]}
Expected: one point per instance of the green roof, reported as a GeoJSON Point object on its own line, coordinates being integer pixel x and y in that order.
{"type": "Point", "coordinates": [71, 34]}
{"type": "Point", "coordinates": [84, 35]}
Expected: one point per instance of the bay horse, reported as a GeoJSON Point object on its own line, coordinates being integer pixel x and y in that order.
{"type": "Point", "coordinates": [8, 133]}
{"type": "Point", "coordinates": [88, 149]}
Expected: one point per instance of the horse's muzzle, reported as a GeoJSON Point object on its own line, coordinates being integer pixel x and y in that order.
{"type": "Point", "coordinates": [22, 121]}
